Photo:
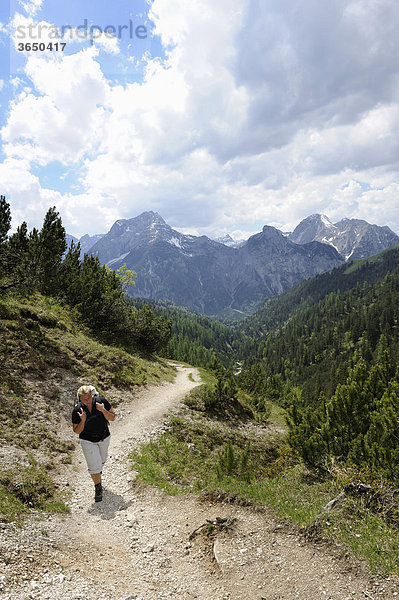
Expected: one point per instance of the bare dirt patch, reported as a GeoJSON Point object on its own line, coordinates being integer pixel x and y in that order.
{"type": "Point", "coordinates": [135, 544]}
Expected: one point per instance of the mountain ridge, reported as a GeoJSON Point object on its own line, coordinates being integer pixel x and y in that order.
{"type": "Point", "coordinates": [229, 279]}
{"type": "Point", "coordinates": [205, 275]}
{"type": "Point", "coordinates": [352, 238]}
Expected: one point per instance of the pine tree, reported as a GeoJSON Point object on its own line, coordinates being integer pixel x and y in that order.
{"type": "Point", "coordinates": [150, 332]}
{"type": "Point", "coordinates": [70, 276]}
{"type": "Point", "coordinates": [52, 245]}
{"type": "Point", "coordinates": [349, 410]}
{"type": "Point", "coordinates": [15, 255]}
{"type": "Point", "coordinates": [5, 219]}
{"type": "Point", "coordinates": [381, 443]}
{"type": "Point", "coordinates": [18, 242]}
{"type": "Point", "coordinates": [41, 255]}
{"type": "Point", "coordinates": [5, 224]}
{"type": "Point", "coordinates": [227, 462]}
{"type": "Point", "coordinates": [307, 434]}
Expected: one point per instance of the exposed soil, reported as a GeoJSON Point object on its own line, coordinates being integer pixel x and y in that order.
{"type": "Point", "coordinates": [135, 543]}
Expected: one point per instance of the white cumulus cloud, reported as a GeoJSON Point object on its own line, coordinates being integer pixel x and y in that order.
{"type": "Point", "coordinates": [63, 118]}
{"type": "Point", "coordinates": [31, 7]}
{"type": "Point", "coordinates": [256, 113]}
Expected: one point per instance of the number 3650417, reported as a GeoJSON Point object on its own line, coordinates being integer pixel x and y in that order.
{"type": "Point", "coordinates": [41, 46]}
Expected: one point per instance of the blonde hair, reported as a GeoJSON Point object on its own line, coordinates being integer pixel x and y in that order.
{"type": "Point", "coordinates": [84, 389]}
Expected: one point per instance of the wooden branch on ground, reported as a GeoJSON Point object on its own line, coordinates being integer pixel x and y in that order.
{"type": "Point", "coordinates": [222, 523]}
{"type": "Point", "coordinates": [359, 488]}
{"type": "Point", "coordinates": [333, 502]}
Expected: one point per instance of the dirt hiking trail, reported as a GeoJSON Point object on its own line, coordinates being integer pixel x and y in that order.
{"type": "Point", "coordinates": [135, 543]}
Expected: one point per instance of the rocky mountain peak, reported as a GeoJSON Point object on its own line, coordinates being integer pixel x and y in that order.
{"type": "Point", "coordinates": [145, 220]}
{"type": "Point", "coordinates": [228, 240]}
{"type": "Point", "coordinates": [317, 217]}
{"type": "Point", "coordinates": [271, 232]}
{"type": "Point", "coordinates": [315, 227]}
{"type": "Point", "coordinates": [210, 277]}
{"type": "Point", "coordinates": [352, 238]}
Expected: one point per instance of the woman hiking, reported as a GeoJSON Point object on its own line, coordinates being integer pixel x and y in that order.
{"type": "Point", "coordinates": [90, 418]}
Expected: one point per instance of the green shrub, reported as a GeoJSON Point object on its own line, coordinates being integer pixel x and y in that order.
{"type": "Point", "coordinates": [11, 507]}
{"type": "Point", "coordinates": [32, 485]}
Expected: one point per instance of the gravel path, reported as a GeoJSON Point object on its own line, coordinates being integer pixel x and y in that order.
{"type": "Point", "coordinates": [135, 544]}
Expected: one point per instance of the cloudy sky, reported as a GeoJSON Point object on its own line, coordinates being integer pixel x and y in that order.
{"type": "Point", "coordinates": [220, 115]}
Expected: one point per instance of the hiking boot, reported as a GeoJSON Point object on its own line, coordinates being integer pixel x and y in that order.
{"type": "Point", "coordinates": [98, 493]}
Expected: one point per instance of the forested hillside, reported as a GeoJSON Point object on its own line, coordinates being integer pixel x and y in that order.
{"type": "Point", "coordinates": [196, 339]}
{"type": "Point", "coordinates": [334, 366]}
{"type": "Point", "coordinates": [277, 310]}
{"type": "Point", "coordinates": [321, 339]}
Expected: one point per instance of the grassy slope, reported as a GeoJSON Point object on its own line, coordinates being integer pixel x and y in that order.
{"type": "Point", "coordinates": [192, 457]}
{"type": "Point", "coordinates": [46, 354]}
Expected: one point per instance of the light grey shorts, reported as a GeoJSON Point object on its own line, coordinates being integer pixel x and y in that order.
{"type": "Point", "coordinates": [95, 453]}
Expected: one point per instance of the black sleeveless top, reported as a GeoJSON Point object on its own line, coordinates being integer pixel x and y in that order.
{"type": "Point", "coordinates": [96, 427]}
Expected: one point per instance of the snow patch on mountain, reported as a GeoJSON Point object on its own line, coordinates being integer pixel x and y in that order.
{"type": "Point", "coordinates": [175, 242]}
{"type": "Point", "coordinates": [326, 221]}
{"type": "Point", "coordinates": [116, 260]}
